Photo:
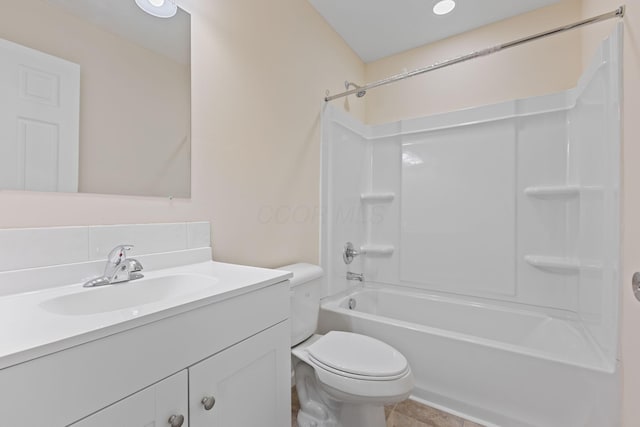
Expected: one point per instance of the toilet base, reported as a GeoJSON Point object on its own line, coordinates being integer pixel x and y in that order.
{"type": "Point", "coordinates": [350, 416]}
{"type": "Point", "coordinates": [318, 409]}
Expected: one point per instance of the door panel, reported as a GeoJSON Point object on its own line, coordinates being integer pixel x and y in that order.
{"type": "Point", "coordinates": [39, 120]}
{"type": "Point", "coordinates": [249, 381]}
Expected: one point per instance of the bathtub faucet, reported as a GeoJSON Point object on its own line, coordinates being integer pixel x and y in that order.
{"type": "Point", "coordinates": [355, 276]}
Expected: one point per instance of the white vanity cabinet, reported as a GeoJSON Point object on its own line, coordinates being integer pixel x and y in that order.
{"type": "Point", "coordinates": [156, 405]}
{"type": "Point", "coordinates": [246, 385]}
{"type": "Point", "coordinates": [235, 349]}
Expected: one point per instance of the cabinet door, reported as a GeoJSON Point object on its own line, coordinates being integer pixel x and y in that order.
{"type": "Point", "coordinates": [250, 382]}
{"type": "Point", "coordinates": [151, 407]}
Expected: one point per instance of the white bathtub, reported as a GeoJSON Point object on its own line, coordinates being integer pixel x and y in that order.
{"type": "Point", "coordinates": [499, 366]}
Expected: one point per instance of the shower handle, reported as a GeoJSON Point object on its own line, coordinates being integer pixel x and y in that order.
{"type": "Point", "coordinates": [350, 252]}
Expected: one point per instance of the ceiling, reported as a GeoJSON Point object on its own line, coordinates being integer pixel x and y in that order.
{"type": "Point", "coordinates": [169, 37]}
{"type": "Point", "coordinates": [378, 28]}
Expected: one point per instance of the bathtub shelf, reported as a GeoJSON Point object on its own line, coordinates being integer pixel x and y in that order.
{"type": "Point", "coordinates": [553, 192]}
{"type": "Point", "coordinates": [377, 197]}
{"type": "Point", "coordinates": [377, 250]}
{"type": "Point", "coordinates": [554, 264]}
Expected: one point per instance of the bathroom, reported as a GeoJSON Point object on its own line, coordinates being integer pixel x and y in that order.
{"type": "Point", "coordinates": [258, 183]}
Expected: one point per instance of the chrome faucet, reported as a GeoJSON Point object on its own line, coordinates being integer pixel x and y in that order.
{"type": "Point", "coordinates": [355, 276]}
{"type": "Point", "coordinates": [349, 253]}
{"type": "Point", "coordinates": [119, 268]}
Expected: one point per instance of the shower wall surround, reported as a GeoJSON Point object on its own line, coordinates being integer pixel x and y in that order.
{"type": "Point", "coordinates": [515, 202]}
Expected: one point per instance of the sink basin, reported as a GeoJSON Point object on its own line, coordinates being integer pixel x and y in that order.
{"type": "Point", "coordinates": [128, 295]}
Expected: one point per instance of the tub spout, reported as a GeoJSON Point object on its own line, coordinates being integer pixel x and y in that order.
{"type": "Point", "coordinates": [355, 276]}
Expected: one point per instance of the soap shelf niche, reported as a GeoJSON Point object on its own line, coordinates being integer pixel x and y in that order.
{"type": "Point", "coordinates": [551, 264]}
{"type": "Point", "coordinates": [377, 250]}
{"type": "Point", "coordinates": [377, 197]}
{"type": "Point", "coordinates": [553, 192]}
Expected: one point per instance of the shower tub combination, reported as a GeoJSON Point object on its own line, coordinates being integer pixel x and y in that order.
{"type": "Point", "coordinates": [519, 368]}
{"type": "Point", "coordinates": [489, 240]}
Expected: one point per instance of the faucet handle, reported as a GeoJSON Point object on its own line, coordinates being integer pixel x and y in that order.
{"type": "Point", "coordinates": [349, 253]}
{"type": "Point", "coordinates": [118, 254]}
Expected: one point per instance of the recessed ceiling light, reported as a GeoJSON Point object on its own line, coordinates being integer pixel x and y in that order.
{"type": "Point", "coordinates": [159, 8]}
{"type": "Point", "coordinates": [443, 7]}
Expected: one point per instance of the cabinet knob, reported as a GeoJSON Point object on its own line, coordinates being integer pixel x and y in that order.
{"type": "Point", "coordinates": [208, 402]}
{"type": "Point", "coordinates": [176, 420]}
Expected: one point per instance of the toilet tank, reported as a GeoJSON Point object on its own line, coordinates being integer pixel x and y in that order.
{"type": "Point", "coordinates": [306, 286]}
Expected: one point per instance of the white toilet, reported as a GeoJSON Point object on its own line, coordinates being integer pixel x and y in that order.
{"type": "Point", "coordinates": [343, 379]}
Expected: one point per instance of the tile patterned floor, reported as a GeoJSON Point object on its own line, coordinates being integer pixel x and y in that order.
{"type": "Point", "coordinates": [405, 414]}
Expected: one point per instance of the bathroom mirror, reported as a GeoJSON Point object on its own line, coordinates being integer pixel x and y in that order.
{"type": "Point", "coordinates": [95, 97]}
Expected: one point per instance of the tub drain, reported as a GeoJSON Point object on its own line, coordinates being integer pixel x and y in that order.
{"type": "Point", "coordinates": [352, 303]}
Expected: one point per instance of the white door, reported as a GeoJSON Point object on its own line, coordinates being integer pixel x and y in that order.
{"type": "Point", "coordinates": [39, 120]}
{"type": "Point", "coordinates": [247, 385]}
{"type": "Point", "coordinates": [152, 407]}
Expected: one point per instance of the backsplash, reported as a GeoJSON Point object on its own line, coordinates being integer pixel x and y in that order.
{"type": "Point", "coordinates": [41, 247]}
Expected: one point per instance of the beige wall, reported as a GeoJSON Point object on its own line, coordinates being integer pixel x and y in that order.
{"type": "Point", "coordinates": [124, 117]}
{"type": "Point", "coordinates": [549, 65]}
{"type": "Point", "coordinates": [260, 70]}
{"type": "Point", "coordinates": [630, 319]}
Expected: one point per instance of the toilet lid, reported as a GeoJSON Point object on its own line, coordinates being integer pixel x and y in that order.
{"type": "Point", "coordinates": [358, 354]}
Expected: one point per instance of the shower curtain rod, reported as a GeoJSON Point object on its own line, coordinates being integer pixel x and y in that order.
{"type": "Point", "coordinates": [618, 13]}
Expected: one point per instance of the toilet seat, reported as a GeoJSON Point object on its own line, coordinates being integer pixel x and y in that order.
{"type": "Point", "coordinates": [393, 382]}
{"type": "Point", "coordinates": [355, 376]}
{"type": "Point", "coordinates": [357, 356]}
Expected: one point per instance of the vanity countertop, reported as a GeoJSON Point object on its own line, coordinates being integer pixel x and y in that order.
{"type": "Point", "coordinates": [30, 329]}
